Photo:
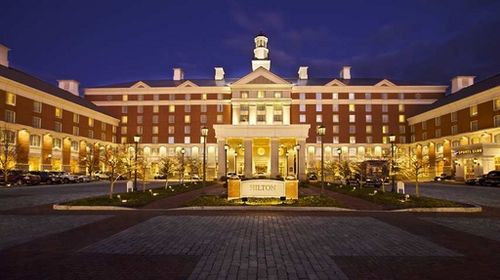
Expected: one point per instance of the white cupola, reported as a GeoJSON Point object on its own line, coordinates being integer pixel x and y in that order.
{"type": "Point", "coordinates": [261, 53]}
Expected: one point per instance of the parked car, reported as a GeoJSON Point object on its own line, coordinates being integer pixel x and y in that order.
{"type": "Point", "coordinates": [55, 177]}
{"type": "Point", "coordinates": [20, 177]}
{"type": "Point", "coordinates": [492, 179]}
{"type": "Point", "coordinates": [442, 177]}
{"type": "Point", "coordinates": [68, 178]}
{"type": "Point", "coordinates": [476, 181]}
{"type": "Point", "coordinates": [101, 175]}
{"type": "Point", "coordinates": [82, 178]}
{"type": "Point", "coordinates": [160, 176]}
{"type": "Point", "coordinates": [312, 177]}
{"type": "Point", "coordinates": [373, 181]}
{"type": "Point", "coordinates": [353, 182]}
{"type": "Point", "coordinates": [45, 176]}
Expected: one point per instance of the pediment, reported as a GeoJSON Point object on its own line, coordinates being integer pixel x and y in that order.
{"type": "Point", "coordinates": [140, 84]}
{"type": "Point", "coordinates": [385, 83]}
{"type": "Point", "coordinates": [335, 82]}
{"type": "Point", "coordinates": [188, 83]}
{"type": "Point", "coordinates": [261, 76]}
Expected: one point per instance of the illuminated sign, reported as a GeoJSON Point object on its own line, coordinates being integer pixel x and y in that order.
{"type": "Point", "coordinates": [470, 151]}
{"type": "Point", "coordinates": [262, 188]}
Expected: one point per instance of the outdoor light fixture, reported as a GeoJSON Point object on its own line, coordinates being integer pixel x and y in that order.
{"type": "Point", "coordinates": [204, 134]}
{"type": "Point", "coordinates": [297, 162]}
{"type": "Point", "coordinates": [392, 139]}
{"type": "Point", "coordinates": [137, 139]}
{"type": "Point", "coordinates": [339, 153]}
{"type": "Point", "coordinates": [321, 132]}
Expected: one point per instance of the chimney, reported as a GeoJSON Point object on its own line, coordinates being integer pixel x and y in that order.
{"type": "Point", "coordinates": [178, 74]}
{"type": "Point", "coordinates": [70, 85]}
{"type": "Point", "coordinates": [460, 82]}
{"type": "Point", "coordinates": [219, 73]}
{"type": "Point", "coordinates": [345, 73]}
{"type": "Point", "coordinates": [4, 55]}
{"type": "Point", "coordinates": [303, 72]}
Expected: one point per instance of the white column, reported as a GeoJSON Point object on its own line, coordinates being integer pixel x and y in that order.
{"type": "Point", "coordinates": [221, 158]}
{"type": "Point", "coordinates": [286, 114]}
{"type": "Point", "coordinates": [252, 114]}
{"type": "Point", "coordinates": [302, 159]}
{"type": "Point", "coordinates": [247, 144]}
{"type": "Point", "coordinates": [269, 114]}
{"type": "Point", "coordinates": [236, 114]}
{"type": "Point", "coordinates": [488, 164]}
{"type": "Point", "coordinates": [274, 157]}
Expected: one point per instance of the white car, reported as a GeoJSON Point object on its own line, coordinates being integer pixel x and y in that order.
{"type": "Point", "coordinates": [101, 175]}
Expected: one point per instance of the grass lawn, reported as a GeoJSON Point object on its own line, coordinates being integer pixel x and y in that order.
{"type": "Point", "coordinates": [135, 199]}
{"type": "Point", "coordinates": [392, 200]}
{"type": "Point", "coordinates": [304, 201]}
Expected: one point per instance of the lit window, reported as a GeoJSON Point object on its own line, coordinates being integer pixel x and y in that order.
{"type": "Point", "coordinates": [220, 118]}
{"type": "Point", "coordinates": [496, 104]}
{"type": "Point", "coordinates": [368, 118]}
{"type": "Point", "coordinates": [473, 126]}
{"type": "Point", "coordinates": [302, 118]}
{"type": "Point", "coordinates": [114, 129]}
{"type": "Point", "coordinates": [58, 112]}
{"type": "Point", "coordinates": [156, 109]}
{"type": "Point", "coordinates": [369, 129]}
{"type": "Point", "coordinates": [171, 140]}
{"type": "Point", "coordinates": [401, 118]}
{"type": "Point", "coordinates": [335, 129]}
{"type": "Point", "coordinates": [203, 108]}
{"type": "Point", "coordinates": [335, 95]}
{"type": "Point", "coordinates": [220, 108]}
{"type": "Point", "coordinates": [385, 129]}
{"type": "Point", "coordinates": [123, 140]}
{"type": "Point", "coordinates": [35, 140]}
{"type": "Point", "coordinates": [187, 119]}
{"type": "Point", "coordinates": [154, 140]}
{"type": "Point", "coordinates": [124, 119]}
{"type": "Point", "coordinates": [335, 139]}
{"type": "Point", "coordinates": [56, 143]}
{"type": "Point", "coordinates": [496, 120]}
{"type": "Point", "coordinates": [368, 95]}
{"type": "Point", "coordinates": [244, 95]}
{"type": "Point", "coordinates": [319, 118]}
{"type": "Point", "coordinates": [140, 109]}
{"type": "Point", "coordinates": [351, 96]}
{"type": "Point", "coordinates": [171, 108]}
{"type": "Point", "coordinates": [140, 129]}
{"type": "Point", "coordinates": [318, 96]}
{"type": "Point", "coordinates": [220, 96]}
{"type": "Point", "coordinates": [155, 119]}
{"type": "Point", "coordinates": [76, 130]}
{"type": "Point", "coordinates": [187, 96]}
{"type": "Point", "coordinates": [58, 126]}
{"type": "Point", "coordinates": [37, 122]}
{"type": "Point", "coordinates": [352, 108]}
{"type": "Point", "coordinates": [368, 107]}
{"type": "Point", "coordinates": [260, 94]}
{"type": "Point", "coordinates": [124, 97]}
{"type": "Point", "coordinates": [319, 107]}
{"type": "Point", "coordinates": [473, 110]}
{"type": "Point", "coordinates": [10, 99]}
{"type": "Point", "coordinates": [277, 94]}
{"type": "Point", "coordinates": [171, 119]}
{"type": "Point", "coordinates": [74, 146]}
{"type": "Point", "coordinates": [91, 122]}
{"type": "Point", "coordinates": [335, 107]}
{"type": "Point", "coordinates": [171, 130]}
{"type": "Point", "coordinates": [37, 107]}
{"type": "Point", "coordinates": [187, 129]}
{"type": "Point", "coordinates": [140, 119]}
{"type": "Point", "coordinates": [385, 108]}
{"type": "Point", "coordinates": [76, 118]}
{"type": "Point", "coordinates": [124, 130]}
{"type": "Point", "coordinates": [302, 107]}
{"type": "Point", "coordinates": [187, 139]}
{"type": "Point", "coordinates": [155, 129]}
{"type": "Point", "coordinates": [335, 118]}
{"type": "Point", "coordinates": [203, 96]}
{"type": "Point", "coordinates": [352, 118]}
{"type": "Point", "coordinates": [352, 139]}
{"type": "Point", "coordinates": [401, 107]}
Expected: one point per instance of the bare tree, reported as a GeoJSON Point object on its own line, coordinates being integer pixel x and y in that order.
{"type": "Point", "coordinates": [332, 169]}
{"type": "Point", "coordinates": [412, 167]}
{"type": "Point", "coordinates": [113, 160]}
{"type": "Point", "coordinates": [91, 161]}
{"type": "Point", "coordinates": [167, 166]}
{"type": "Point", "coordinates": [8, 153]}
{"type": "Point", "coordinates": [194, 165]}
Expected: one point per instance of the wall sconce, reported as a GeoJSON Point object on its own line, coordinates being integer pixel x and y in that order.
{"type": "Point", "coordinates": [49, 156]}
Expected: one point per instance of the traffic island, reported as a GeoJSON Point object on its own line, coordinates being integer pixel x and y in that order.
{"type": "Point", "coordinates": [303, 201]}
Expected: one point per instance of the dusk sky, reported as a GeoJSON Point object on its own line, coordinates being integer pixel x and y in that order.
{"type": "Point", "coordinates": [102, 42]}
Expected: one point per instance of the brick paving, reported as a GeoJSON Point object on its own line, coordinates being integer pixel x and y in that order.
{"type": "Point", "coordinates": [488, 228]}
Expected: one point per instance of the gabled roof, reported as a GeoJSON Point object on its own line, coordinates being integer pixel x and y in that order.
{"type": "Point", "coordinates": [31, 81]}
{"type": "Point", "coordinates": [476, 88]}
{"type": "Point", "coordinates": [261, 75]}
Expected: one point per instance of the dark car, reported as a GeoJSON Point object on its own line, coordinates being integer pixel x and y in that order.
{"type": "Point", "coordinates": [45, 177]}
{"type": "Point", "coordinates": [442, 177]}
{"type": "Point", "coordinates": [373, 182]}
{"type": "Point", "coordinates": [20, 177]}
{"type": "Point", "coordinates": [353, 182]}
{"type": "Point", "coordinates": [475, 181]}
{"type": "Point", "coordinates": [312, 177]}
{"type": "Point", "coordinates": [492, 179]}
{"type": "Point", "coordinates": [55, 177]}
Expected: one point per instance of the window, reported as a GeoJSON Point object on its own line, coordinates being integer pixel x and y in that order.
{"type": "Point", "coordinates": [496, 121]}
{"type": "Point", "coordinates": [385, 108]}
{"type": "Point", "coordinates": [103, 136]}
{"type": "Point", "coordinates": [171, 119]}
{"type": "Point", "coordinates": [352, 118]}
{"type": "Point", "coordinates": [91, 134]}
{"type": "Point", "coordinates": [319, 108]}
{"type": "Point", "coordinates": [155, 129]}
{"type": "Point", "coordinates": [154, 140]}
{"type": "Point", "coordinates": [401, 107]}
{"type": "Point", "coordinates": [335, 118]}
{"type": "Point", "coordinates": [140, 129]}
{"type": "Point", "coordinates": [369, 139]}
{"type": "Point", "coordinates": [35, 140]}
{"type": "Point", "coordinates": [220, 96]}
{"type": "Point", "coordinates": [244, 94]}
{"type": "Point", "coordinates": [124, 119]}
{"type": "Point", "coordinates": [260, 94]}
{"type": "Point", "coordinates": [187, 139]}
{"type": "Point", "coordinates": [278, 118]}
{"type": "Point", "coordinates": [203, 96]}
{"type": "Point", "coordinates": [402, 129]}
{"type": "Point", "coordinates": [76, 130]}
{"type": "Point", "coordinates": [453, 116]}
{"type": "Point", "coordinates": [401, 118]}
{"type": "Point", "coordinates": [187, 129]}
{"type": "Point", "coordinates": [171, 108]}
{"type": "Point", "coordinates": [319, 118]}
{"type": "Point", "coordinates": [124, 109]}
{"type": "Point", "coordinates": [155, 119]}
{"type": "Point", "coordinates": [318, 95]}
{"type": "Point", "coordinates": [171, 130]}
{"type": "Point", "coordinates": [385, 129]}
{"type": "Point", "coordinates": [352, 108]}
{"type": "Point", "coordinates": [171, 140]}
{"type": "Point", "coordinates": [37, 122]}
{"type": "Point", "coordinates": [203, 118]}
{"type": "Point", "coordinates": [302, 118]}
{"type": "Point", "coordinates": [368, 107]}
{"type": "Point", "coordinates": [473, 110]}
{"type": "Point", "coordinates": [156, 109]}
{"type": "Point", "coordinates": [140, 109]}
{"type": "Point", "coordinates": [140, 119]}
{"type": "Point", "coordinates": [351, 96]}
{"type": "Point", "coordinates": [352, 139]}
{"type": "Point", "coordinates": [335, 107]}
{"type": "Point", "coordinates": [58, 126]}
{"type": "Point", "coordinates": [424, 135]}
{"type": "Point", "coordinates": [473, 126]}
{"type": "Point", "coordinates": [187, 119]}
{"type": "Point", "coordinates": [496, 104]}
{"type": "Point", "coordinates": [384, 95]}
{"type": "Point", "coordinates": [437, 121]}
{"type": "Point", "coordinates": [302, 96]}
{"type": "Point", "coordinates": [103, 126]}
{"type": "Point", "coordinates": [352, 129]}
{"type": "Point", "coordinates": [187, 96]}
{"type": "Point", "coordinates": [140, 97]}
{"type": "Point", "coordinates": [454, 129]}
{"type": "Point", "coordinates": [220, 118]}
{"type": "Point", "coordinates": [369, 129]}
{"type": "Point", "coordinates": [124, 97]}
{"type": "Point", "coordinates": [187, 108]}
{"type": "Point", "coordinates": [368, 118]}
{"type": "Point", "coordinates": [171, 97]}
{"type": "Point", "coordinates": [58, 112]}
{"type": "Point", "coordinates": [402, 139]}
{"type": "Point", "coordinates": [123, 140]}
{"type": "Point", "coordinates": [203, 108]}
{"type": "Point", "coordinates": [401, 95]}
{"type": "Point", "coordinates": [385, 118]}
{"type": "Point", "coordinates": [56, 143]}
{"type": "Point", "coordinates": [124, 130]}
{"type": "Point", "coordinates": [10, 99]}
{"type": "Point", "coordinates": [302, 107]}
{"type": "Point", "coordinates": [74, 146]}
{"type": "Point", "coordinates": [335, 95]}
{"type": "Point", "coordinates": [335, 129]}
{"type": "Point", "coordinates": [368, 95]}
{"type": "Point", "coordinates": [220, 108]}
{"type": "Point", "coordinates": [91, 122]}
{"type": "Point", "coordinates": [113, 129]}
{"type": "Point", "coordinates": [76, 118]}
{"type": "Point", "coordinates": [335, 139]}
{"type": "Point", "coordinates": [412, 128]}
{"type": "Point", "coordinates": [424, 125]}
{"type": "Point", "coordinates": [418, 96]}
{"type": "Point", "coordinates": [37, 107]}
{"type": "Point", "coordinates": [277, 94]}
{"type": "Point", "coordinates": [437, 132]}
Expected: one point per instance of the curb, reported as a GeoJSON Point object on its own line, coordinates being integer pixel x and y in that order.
{"type": "Point", "coordinates": [475, 209]}
{"type": "Point", "coordinates": [96, 208]}
{"type": "Point", "coordinates": [260, 208]}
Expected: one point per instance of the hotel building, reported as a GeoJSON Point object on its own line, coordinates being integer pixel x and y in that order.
{"type": "Point", "coordinates": [262, 123]}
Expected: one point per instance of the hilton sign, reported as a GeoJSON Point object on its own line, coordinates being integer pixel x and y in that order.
{"type": "Point", "coordinates": [262, 188]}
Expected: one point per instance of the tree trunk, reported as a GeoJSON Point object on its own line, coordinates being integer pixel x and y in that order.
{"type": "Point", "coordinates": [111, 187]}
{"type": "Point", "coordinates": [166, 181]}
{"type": "Point", "coordinates": [417, 192]}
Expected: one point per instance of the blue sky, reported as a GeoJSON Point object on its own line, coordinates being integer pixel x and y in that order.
{"type": "Point", "coordinates": [102, 42]}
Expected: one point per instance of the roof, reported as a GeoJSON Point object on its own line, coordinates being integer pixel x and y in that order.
{"type": "Point", "coordinates": [225, 82]}
{"type": "Point", "coordinates": [476, 88]}
{"type": "Point", "coordinates": [31, 81]}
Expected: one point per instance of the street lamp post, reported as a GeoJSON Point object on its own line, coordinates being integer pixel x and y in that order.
{"type": "Point", "coordinates": [182, 165]}
{"type": "Point", "coordinates": [297, 162]}
{"type": "Point", "coordinates": [137, 138]}
{"type": "Point", "coordinates": [339, 152]}
{"type": "Point", "coordinates": [226, 148]}
{"type": "Point", "coordinates": [321, 132]}
{"type": "Point", "coordinates": [204, 134]}
{"type": "Point", "coordinates": [392, 139]}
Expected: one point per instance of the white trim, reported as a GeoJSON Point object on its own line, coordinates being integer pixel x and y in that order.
{"type": "Point", "coordinates": [264, 73]}
{"type": "Point", "coordinates": [385, 82]}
